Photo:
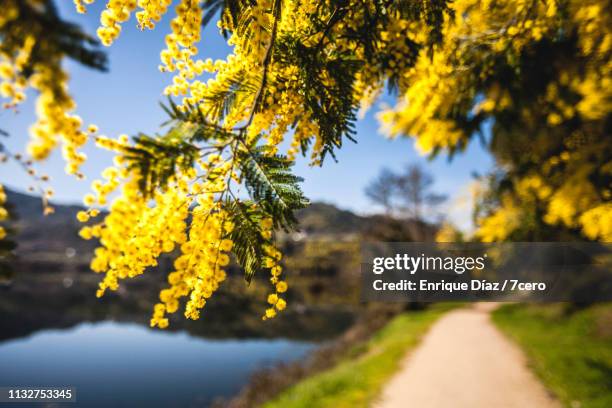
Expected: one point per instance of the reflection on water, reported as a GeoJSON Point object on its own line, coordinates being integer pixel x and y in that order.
{"type": "Point", "coordinates": [39, 298]}
{"type": "Point", "coordinates": [127, 365]}
{"type": "Point", "coordinates": [55, 332]}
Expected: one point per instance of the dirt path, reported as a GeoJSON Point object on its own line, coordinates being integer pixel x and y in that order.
{"type": "Point", "coordinates": [464, 361]}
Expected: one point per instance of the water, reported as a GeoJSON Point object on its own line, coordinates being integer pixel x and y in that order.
{"type": "Point", "coordinates": [128, 365]}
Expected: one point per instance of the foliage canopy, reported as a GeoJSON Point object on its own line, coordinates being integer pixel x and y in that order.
{"type": "Point", "coordinates": [534, 72]}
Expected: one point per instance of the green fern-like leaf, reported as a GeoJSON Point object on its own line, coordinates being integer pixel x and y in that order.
{"type": "Point", "coordinates": [248, 241]}
{"type": "Point", "coordinates": [158, 159]}
{"type": "Point", "coordinates": [237, 88]}
{"type": "Point", "coordinates": [201, 129]}
{"type": "Point", "coordinates": [271, 184]}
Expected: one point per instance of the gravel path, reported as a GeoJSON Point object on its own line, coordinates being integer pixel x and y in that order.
{"type": "Point", "coordinates": [464, 361]}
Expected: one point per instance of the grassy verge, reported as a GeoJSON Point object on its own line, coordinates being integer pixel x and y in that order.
{"type": "Point", "coordinates": [570, 352]}
{"type": "Point", "coordinates": [359, 377]}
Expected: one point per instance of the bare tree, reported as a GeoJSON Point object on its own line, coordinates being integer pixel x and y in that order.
{"type": "Point", "coordinates": [406, 195]}
{"type": "Point", "coordinates": [413, 192]}
{"type": "Point", "coordinates": [382, 189]}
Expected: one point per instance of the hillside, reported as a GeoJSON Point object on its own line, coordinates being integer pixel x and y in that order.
{"type": "Point", "coordinates": [324, 218]}
{"type": "Point", "coordinates": [41, 236]}
{"type": "Point", "coordinates": [37, 233]}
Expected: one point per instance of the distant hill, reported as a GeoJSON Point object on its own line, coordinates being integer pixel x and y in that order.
{"type": "Point", "coordinates": [55, 233]}
{"type": "Point", "coordinates": [58, 231]}
{"type": "Point", "coordinates": [37, 233]}
{"type": "Point", "coordinates": [323, 218]}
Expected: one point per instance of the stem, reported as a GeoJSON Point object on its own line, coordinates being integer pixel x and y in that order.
{"type": "Point", "coordinates": [266, 62]}
{"type": "Point", "coordinates": [37, 180]}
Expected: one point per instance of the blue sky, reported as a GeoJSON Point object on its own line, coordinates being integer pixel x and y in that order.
{"type": "Point", "coordinates": [125, 100]}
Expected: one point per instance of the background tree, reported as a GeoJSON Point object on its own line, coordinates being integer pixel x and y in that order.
{"type": "Point", "coordinates": [405, 194]}
{"type": "Point", "coordinates": [414, 187]}
{"type": "Point", "coordinates": [406, 197]}
{"type": "Point", "coordinates": [532, 78]}
{"type": "Point", "coordinates": [381, 191]}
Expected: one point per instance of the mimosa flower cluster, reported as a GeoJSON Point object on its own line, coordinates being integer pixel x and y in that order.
{"type": "Point", "coordinates": [300, 70]}
{"type": "Point", "coordinates": [271, 261]}
{"type": "Point", "coordinates": [186, 217]}
{"type": "Point", "coordinates": [450, 94]}
{"type": "Point", "coordinates": [20, 70]}
{"type": "Point", "coordinates": [269, 105]}
{"type": "Point", "coordinates": [3, 212]}
{"type": "Point", "coordinates": [284, 97]}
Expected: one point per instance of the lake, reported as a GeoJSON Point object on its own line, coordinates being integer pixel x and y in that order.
{"type": "Point", "coordinates": [126, 365]}
{"type": "Point", "coordinates": [55, 332]}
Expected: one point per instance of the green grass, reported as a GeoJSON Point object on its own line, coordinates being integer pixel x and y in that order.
{"type": "Point", "coordinates": [358, 379]}
{"type": "Point", "coordinates": [570, 352]}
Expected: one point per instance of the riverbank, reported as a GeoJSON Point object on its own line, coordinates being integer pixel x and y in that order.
{"type": "Point", "coordinates": [565, 348]}
{"type": "Point", "coordinates": [361, 369]}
